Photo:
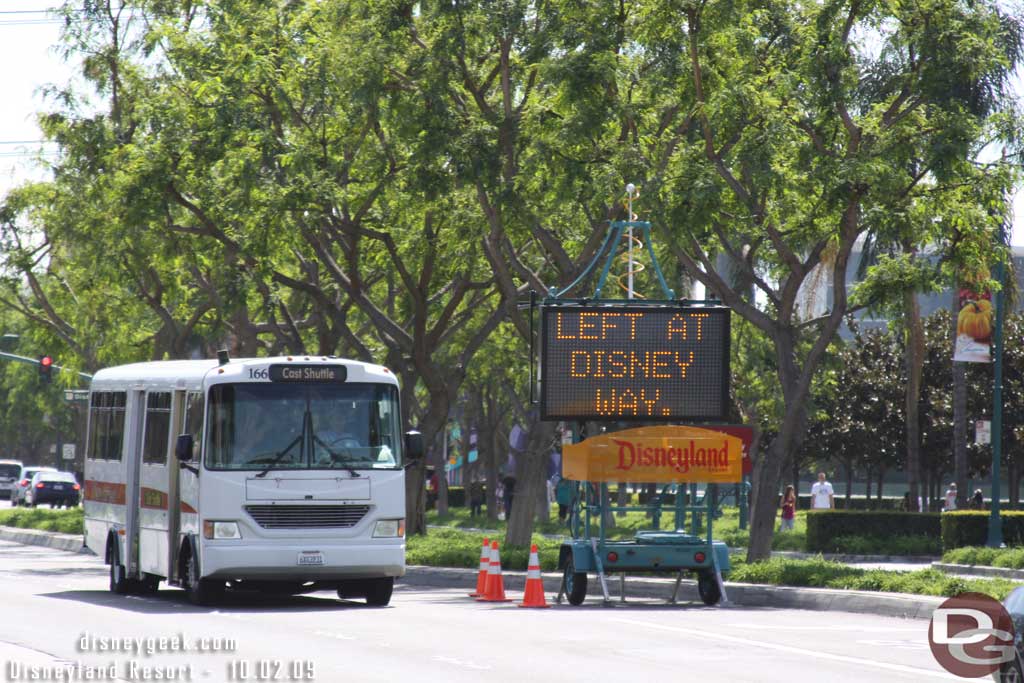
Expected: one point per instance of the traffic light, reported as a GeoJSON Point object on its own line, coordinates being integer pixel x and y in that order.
{"type": "Point", "coordinates": [45, 368]}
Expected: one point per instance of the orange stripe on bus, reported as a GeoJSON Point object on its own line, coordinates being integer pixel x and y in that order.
{"type": "Point", "coordinates": [104, 492]}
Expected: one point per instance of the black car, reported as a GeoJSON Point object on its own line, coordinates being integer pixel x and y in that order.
{"type": "Point", "coordinates": [55, 488]}
{"type": "Point", "coordinates": [1013, 671]}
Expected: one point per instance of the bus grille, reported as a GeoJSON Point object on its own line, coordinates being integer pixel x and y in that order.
{"type": "Point", "coordinates": [307, 516]}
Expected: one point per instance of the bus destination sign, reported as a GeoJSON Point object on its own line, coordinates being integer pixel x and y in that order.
{"type": "Point", "coordinates": [634, 362]}
{"type": "Point", "coordinates": [280, 372]}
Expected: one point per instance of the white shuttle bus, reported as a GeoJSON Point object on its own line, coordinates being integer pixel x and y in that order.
{"type": "Point", "coordinates": [272, 474]}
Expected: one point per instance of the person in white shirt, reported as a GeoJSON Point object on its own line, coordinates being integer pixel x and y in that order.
{"type": "Point", "coordinates": [950, 498]}
{"type": "Point", "coordinates": [822, 497]}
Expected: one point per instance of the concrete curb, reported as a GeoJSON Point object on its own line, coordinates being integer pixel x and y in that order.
{"type": "Point", "coordinates": [742, 594]}
{"type": "Point", "coordinates": [69, 542]}
{"type": "Point", "coordinates": [979, 570]}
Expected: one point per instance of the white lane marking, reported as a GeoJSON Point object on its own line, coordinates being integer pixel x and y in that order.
{"type": "Point", "coordinates": [852, 627]}
{"type": "Point", "coordinates": [896, 644]}
{"type": "Point", "coordinates": [336, 636]}
{"type": "Point", "coordinates": [909, 670]}
{"type": "Point", "coordinates": [460, 663]}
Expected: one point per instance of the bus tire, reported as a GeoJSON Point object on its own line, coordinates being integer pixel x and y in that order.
{"type": "Point", "coordinates": [378, 591]}
{"type": "Point", "coordinates": [575, 583]}
{"type": "Point", "coordinates": [118, 581]}
{"type": "Point", "coordinates": [200, 591]}
{"type": "Point", "coordinates": [707, 587]}
{"type": "Point", "coordinates": [149, 585]}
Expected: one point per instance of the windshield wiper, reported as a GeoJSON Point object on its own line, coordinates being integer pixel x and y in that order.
{"type": "Point", "coordinates": [280, 455]}
{"type": "Point", "coordinates": [336, 456]}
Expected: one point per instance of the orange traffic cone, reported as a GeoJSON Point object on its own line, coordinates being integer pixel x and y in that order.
{"type": "Point", "coordinates": [495, 583]}
{"type": "Point", "coordinates": [485, 564]}
{"type": "Point", "coordinates": [534, 594]}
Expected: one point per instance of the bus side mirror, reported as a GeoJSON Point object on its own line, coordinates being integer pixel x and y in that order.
{"type": "Point", "coordinates": [413, 445]}
{"type": "Point", "coordinates": [184, 447]}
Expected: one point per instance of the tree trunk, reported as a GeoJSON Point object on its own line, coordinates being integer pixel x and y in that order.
{"type": "Point", "coordinates": [622, 498]}
{"type": "Point", "coordinates": [881, 484]}
{"type": "Point", "coordinates": [530, 480]}
{"type": "Point", "coordinates": [764, 502]}
{"type": "Point", "coordinates": [494, 459]}
{"type": "Point", "coordinates": [849, 481]}
{"type": "Point", "coordinates": [1011, 481]}
{"type": "Point", "coordinates": [767, 475]}
{"type": "Point", "coordinates": [867, 486]}
{"type": "Point", "coordinates": [914, 358]}
{"type": "Point", "coordinates": [442, 477]}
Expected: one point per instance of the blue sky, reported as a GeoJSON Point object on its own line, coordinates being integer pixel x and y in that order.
{"type": "Point", "coordinates": [30, 62]}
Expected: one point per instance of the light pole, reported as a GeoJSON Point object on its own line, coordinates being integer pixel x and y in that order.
{"type": "Point", "coordinates": [995, 525]}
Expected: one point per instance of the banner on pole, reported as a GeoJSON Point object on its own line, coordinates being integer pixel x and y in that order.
{"type": "Point", "coordinates": [974, 325]}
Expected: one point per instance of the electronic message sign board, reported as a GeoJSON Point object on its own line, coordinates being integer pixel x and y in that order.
{"type": "Point", "coordinates": [634, 362]}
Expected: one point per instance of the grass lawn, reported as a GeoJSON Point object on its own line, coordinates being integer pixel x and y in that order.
{"type": "Point", "coordinates": [64, 521]}
{"type": "Point", "coordinates": [1006, 558]}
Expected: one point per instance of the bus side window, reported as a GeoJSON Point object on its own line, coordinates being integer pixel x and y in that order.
{"type": "Point", "coordinates": [158, 427]}
{"type": "Point", "coordinates": [98, 425]}
{"type": "Point", "coordinates": [115, 433]}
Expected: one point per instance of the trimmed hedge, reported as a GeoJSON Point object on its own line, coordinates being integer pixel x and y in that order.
{"type": "Point", "coordinates": [963, 528]}
{"type": "Point", "coordinates": [824, 526]}
{"type": "Point", "coordinates": [804, 503]}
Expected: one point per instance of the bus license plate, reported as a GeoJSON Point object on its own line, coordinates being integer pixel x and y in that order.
{"type": "Point", "coordinates": [311, 558]}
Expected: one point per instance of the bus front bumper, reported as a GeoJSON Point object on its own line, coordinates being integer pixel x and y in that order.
{"type": "Point", "coordinates": [305, 561]}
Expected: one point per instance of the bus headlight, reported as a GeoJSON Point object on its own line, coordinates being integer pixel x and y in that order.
{"type": "Point", "coordinates": [389, 528]}
{"type": "Point", "coordinates": [220, 530]}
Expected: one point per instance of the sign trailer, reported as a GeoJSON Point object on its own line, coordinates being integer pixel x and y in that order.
{"type": "Point", "coordinates": [653, 363]}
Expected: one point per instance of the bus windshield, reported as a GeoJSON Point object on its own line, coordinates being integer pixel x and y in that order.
{"type": "Point", "coordinates": [279, 426]}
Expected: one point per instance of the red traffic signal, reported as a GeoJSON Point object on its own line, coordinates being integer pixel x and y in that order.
{"type": "Point", "coordinates": [46, 368]}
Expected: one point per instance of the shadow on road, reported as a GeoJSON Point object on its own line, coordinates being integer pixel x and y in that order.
{"type": "Point", "coordinates": [173, 601]}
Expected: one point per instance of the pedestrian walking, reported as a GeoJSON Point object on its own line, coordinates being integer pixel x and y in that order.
{"type": "Point", "coordinates": [950, 499]}
{"type": "Point", "coordinates": [788, 509]}
{"type": "Point", "coordinates": [822, 496]}
{"type": "Point", "coordinates": [978, 500]}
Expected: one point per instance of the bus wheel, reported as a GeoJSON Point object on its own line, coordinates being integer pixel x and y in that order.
{"type": "Point", "coordinates": [118, 581]}
{"type": "Point", "coordinates": [149, 585]}
{"type": "Point", "coordinates": [708, 588]}
{"type": "Point", "coordinates": [200, 591]}
{"type": "Point", "coordinates": [378, 591]}
{"type": "Point", "coordinates": [575, 583]}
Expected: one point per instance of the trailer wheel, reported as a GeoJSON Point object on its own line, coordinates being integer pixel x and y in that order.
{"type": "Point", "coordinates": [200, 591]}
{"type": "Point", "coordinates": [575, 582]}
{"type": "Point", "coordinates": [708, 588]}
{"type": "Point", "coordinates": [378, 591]}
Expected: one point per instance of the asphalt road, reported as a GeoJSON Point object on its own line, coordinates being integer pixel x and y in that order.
{"type": "Point", "coordinates": [56, 611]}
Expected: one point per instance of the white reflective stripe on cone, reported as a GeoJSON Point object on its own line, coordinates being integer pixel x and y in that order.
{"type": "Point", "coordinates": [533, 573]}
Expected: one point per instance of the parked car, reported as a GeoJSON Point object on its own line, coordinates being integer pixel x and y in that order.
{"type": "Point", "coordinates": [59, 489]}
{"type": "Point", "coordinates": [23, 481]}
{"type": "Point", "coordinates": [9, 471]}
